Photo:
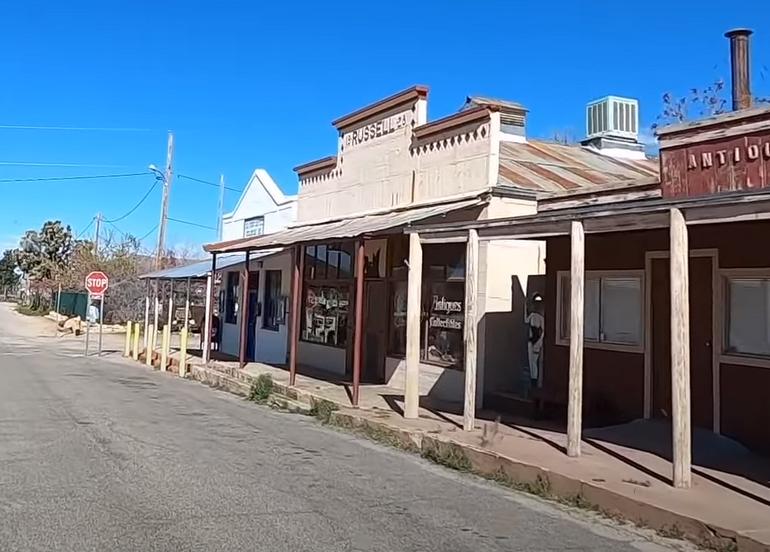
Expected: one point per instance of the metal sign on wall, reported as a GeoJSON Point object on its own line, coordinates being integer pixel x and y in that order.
{"type": "Point", "coordinates": [732, 163]}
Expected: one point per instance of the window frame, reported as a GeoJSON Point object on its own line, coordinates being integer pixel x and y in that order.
{"type": "Point", "coordinates": [561, 340]}
{"type": "Point", "coordinates": [725, 356]}
{"type": "Point", "coordinates": [272, 323]}
{"type": "Point", "coordinates": [246, 221]}
{"type": "Point", "coordinates": [232, 297]}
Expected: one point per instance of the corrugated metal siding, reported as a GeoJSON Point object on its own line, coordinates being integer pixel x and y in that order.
{"type": "Point", "coordinates": [554, 168]}
{"type": "Point", "coordinates": [346, 228]}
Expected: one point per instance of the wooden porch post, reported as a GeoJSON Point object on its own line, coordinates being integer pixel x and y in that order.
{"type": "Point", "coordinates": [471, 296]}
{"type": "Point", "coordinates": [243, 314]}
{"type": "Point", "coordinates": [680, 352]}
{"type": "Point", "coordinates": [208, 324]}
{"type": "Point", "coordinates": [298, 263]}
{"type": "Point", "coordinates": [577, 301]}
{"type": "Point", "coordinates": [146, 312]}
{"type": "Point", "coordinates": [359, 320]}
{"type": "Point", "coordinates": [413, 309]}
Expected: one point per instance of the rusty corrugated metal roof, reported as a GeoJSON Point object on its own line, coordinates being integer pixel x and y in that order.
{"type": "Point", "coordinates": [339, 229]}
{"type": "Point", "coordinates": [553, 168]}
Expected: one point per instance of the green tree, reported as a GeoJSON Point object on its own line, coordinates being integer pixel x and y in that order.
{"type": "Point", "coordinates": [9, 278]}
{"type": "Point", "coordinates": [43, 255]}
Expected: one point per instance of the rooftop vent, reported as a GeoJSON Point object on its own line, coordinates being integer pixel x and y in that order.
{"type": "Point", "coordinates": [613, 117]}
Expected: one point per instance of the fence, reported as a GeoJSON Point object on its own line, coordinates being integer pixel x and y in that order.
{"type": "Point", "coordinates": [72, 303]}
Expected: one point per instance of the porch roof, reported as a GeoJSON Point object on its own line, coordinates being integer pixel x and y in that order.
{"type": "Point", "coordinates": [201, 269]}
{"type": "Point", "coordinates": [342, 228]}
{"type": "Point", "coordinates": [638, 214]}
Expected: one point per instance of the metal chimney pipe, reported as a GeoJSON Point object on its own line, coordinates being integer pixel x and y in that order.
{"type": "Point", "coordinates": [739, 62]}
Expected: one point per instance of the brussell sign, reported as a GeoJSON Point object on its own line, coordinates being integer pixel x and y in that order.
{"type": "Point", "coordinates": [375, 130]}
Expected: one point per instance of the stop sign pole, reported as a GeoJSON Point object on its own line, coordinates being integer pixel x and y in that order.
{"type": "Point", "coordinates": [97, 283]}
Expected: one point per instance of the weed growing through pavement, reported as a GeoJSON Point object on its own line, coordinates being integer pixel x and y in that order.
{"type": "Point", "coordinates": [323, 409]}
{"type": "Point", "coordinates": [261, 388]}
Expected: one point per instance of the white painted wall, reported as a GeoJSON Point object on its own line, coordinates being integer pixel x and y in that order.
{"type": "Point", "coordinates": [271, 346]}
{"type": "Point", "coordinates": [261, 197]}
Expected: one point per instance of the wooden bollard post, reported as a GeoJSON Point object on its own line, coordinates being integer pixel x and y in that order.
{"type": "Point", "coordinates": [183, 353]}
{"type": "Point", "coordinates": [150, 349]}
{"type": "Point", "coordinates": [135, 352]}
{"type": "Point", "coordinates": [129, 329]}
{"type": "Point", "coordinates": [164, 343]}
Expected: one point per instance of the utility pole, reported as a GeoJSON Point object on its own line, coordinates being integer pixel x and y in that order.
{"type": "Point", "coordinates": [221, 207]}
{"type": "Point", "coordinates": [97, 228]}
{"type": "Point", "coordinates": [167, 178]}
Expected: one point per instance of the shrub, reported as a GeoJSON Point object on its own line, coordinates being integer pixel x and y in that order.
{"type": "Point", "coordinates": [261, 388]}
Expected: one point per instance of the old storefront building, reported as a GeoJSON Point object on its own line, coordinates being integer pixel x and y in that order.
{"type": "Point", "coordinates": [657, 295]}
{"type": "Point", "coordinates": [394, 168]}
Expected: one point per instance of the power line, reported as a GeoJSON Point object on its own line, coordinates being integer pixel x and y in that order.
{"type": "Point", "coordinates": [209, 183]}
{"type": "Point", "coordinates": [147, 234]}
{"type": "Point", "coordinates": [88, 177]}
{"type": "Point", "coordinates": [192, 223]}
{"type": "Point", "coordinates": [105, 129]}
{"type": "Point", "coordinates": [84, 230]}
{"type": "Point", "coordinates": [135, 207]}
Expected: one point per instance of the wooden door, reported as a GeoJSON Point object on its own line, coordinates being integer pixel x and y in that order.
{"type": "Point", "coordinates": [701, 340]}
{"type": "Point", "coordinates": [375, 331]}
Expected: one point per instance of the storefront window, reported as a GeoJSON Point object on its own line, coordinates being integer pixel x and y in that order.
{"type": "Point", "coordinates": [326, 315]}
{"type": "Point", "coordinates": [231, 297]}
{"type": "Point", "coordinates": [445, 324]}
{"type": "Point", "coordinates": [398, 293]}
{"type": "Point", "coordinates": [329, 262]}
{"type": "Point", "coordinates": [443, 304]}
{"type": "Point", "coordinates": [273, 301]}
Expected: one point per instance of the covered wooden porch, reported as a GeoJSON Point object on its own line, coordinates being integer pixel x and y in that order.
{"type": "Point", "coordinates": [675, 216]}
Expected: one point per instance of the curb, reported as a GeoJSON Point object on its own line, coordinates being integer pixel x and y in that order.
{"type": "Point", "coordinates": [501, 469]}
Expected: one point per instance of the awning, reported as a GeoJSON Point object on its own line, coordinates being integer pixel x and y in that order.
{"type": "Point", "coordinates": [344, 228]}
{"type": "Point", "coordinates": [201, 269]}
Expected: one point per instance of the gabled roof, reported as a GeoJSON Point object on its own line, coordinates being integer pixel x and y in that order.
{"type": "Point", "coordinates": [262, 178]}
{"type": "Point", "coordinates": [549, 168]}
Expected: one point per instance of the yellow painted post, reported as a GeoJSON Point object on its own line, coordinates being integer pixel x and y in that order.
{"type": "Point", "coordinates": [164, 343]}
{"type": "Point", "coordinates": [150, 345]}
{"type": "Point", "coordinates": [129, 328]}
{"type": "Point", "coordinates": [135, 352]}
{"type": "Point", "coordinates": [183, 353]}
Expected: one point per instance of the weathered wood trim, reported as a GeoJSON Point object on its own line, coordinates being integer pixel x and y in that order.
{"type": "Point", "coordinates": [471, 328]}
{"type": "Point", "coordinates": [413, 319]}
{"type": "Point", "coordinates": [680, 352]}
{"type": "Point", "coordinates": [713, 135]}
{"type": "Point", "coordinates": [476, 115]}
{"type": "Point", "coordinates": [411, 94]}
{"type": "Point", "coordinates": [577, 288]}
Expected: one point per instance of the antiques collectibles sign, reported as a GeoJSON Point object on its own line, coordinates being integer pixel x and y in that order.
{"type": "Point", "coordinates": [444, 313]}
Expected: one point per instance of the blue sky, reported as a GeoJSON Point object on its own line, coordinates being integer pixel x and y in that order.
{"type": "Point", "coordinates": [246, 84]}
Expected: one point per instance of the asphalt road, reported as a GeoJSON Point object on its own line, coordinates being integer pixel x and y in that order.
{"type": "Point", "coordinates": [106, 455]}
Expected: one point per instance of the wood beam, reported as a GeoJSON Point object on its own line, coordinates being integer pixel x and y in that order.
{"type": "Point", "coordinates": [680, 352]}
{"type": "Point", "coordinates": [413, 319]}
{"type": "Point", "coordinates": [298, 263]}
{"type": "Point", "coordinates": [577, 302]}
{"type": "Point", "coordinates": [471, 328]}
{"type": "Point", "coordinates": [208, 325]}
{"type": "Point", "coordinates": [243, 314]}
{"type": "Point", "coordinates": [359, 320]}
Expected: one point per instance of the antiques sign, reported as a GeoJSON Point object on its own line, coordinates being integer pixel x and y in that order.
{"type": "Point", "coordinates": [729, 164]}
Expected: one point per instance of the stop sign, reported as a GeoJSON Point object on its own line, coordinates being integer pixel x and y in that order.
{"type": "Point", "coordinates": [97, 282]}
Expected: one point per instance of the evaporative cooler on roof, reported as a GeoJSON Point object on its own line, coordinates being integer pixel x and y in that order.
{"type": "Point", "coordinates": [613, 116]}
